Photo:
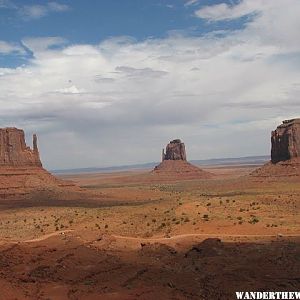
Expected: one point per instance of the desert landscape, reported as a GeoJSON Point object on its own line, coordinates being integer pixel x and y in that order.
{"type": "Point", "coordinates": [149, 150]}
{"type": "Point", "coordinates": [174, 232]}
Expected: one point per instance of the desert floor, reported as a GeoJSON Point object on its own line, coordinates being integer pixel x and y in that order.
{"type": "Point", "coordinates": [141, 238]}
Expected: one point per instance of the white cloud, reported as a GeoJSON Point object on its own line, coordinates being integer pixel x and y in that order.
{"type": "Point", "coordinates": [7, 4]}
{"type": "Point", "coordinates": [40, 45]}
{"type": "Point", "coordinates": [71, 90]}
{"type": "Point", "coordinates": [9, 48]}
{"type": "Point", "coordinates": [221, 93]}
{"type": "Point", "coordinates": [37, 11]}
{"type": "Point", "coordinates": [224, 11]}
{"type": "Point", "coordinates": [191, 2]}
{"type": "Point", "coordinates": [54, 6]}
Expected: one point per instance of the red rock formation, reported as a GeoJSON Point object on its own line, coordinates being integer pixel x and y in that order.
{"type": "Point", "coordinates": [174, 165]}
{"type": "Point", "coordinates": [286, 141]}
{"type": "Point", "coordinates": [21, 171]}
{"type": "Point", "coordinates": [15, 152]}
{"type": "Point", "coordinates": [175, 150]}
{"type": "Point", "coordinates": [285, 152]}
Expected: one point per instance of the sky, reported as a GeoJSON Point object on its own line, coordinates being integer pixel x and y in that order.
{"type": "Point", "coordinates": [111, 82]}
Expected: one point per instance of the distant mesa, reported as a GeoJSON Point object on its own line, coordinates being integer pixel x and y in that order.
{"type": "Point", "coordinates": [21, 171]}
{"type": "Point", "coordinates": [285, 151]}
{"type": "Point", "coordinates": [174, 164]}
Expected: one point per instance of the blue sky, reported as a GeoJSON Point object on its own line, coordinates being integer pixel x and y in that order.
{"type": "Point", "coordinates": [92, 21]}
{"type": "Point", "coordinates": [99, 74]}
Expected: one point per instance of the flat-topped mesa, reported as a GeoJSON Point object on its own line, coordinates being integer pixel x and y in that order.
{"type": "Point", "coordinates": [175, 150]}
{"type": "Point", "coordinates": [286, 141]}
{"type": "Point", "coordinates": [14, 152]}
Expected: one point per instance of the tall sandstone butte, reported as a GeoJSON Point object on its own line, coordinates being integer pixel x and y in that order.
{"type": "Point", "coordinates": [175, 150]}
{"type": "Point", "coordinates": [174, 164]}
{"type": "Point", "coordinates": [14, 152]}
{"type": "Point", "coordinates": [285, 152]}
{"type": "Point", "coordinates": [286, 141]}
{"type": "Point", "coordinates": [22, 175]}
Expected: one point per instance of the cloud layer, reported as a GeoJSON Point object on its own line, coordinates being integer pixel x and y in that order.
{"type": "Point", "coordinates": [122, 100]}
{"type": "Point", "coordinates": [34, 11]}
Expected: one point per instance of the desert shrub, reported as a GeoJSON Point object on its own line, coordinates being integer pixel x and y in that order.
{"type": "Point", "coordinates": [254, 220]}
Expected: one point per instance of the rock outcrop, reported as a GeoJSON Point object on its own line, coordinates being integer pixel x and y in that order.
{"type": "Point", "coordinates": [285, 152]}
{"type": "Point", "coordinates": [21, 172]}
{"type": "Point", "coordinates": [14, 152]}
{"type": "Point", "coordinates": [175, 150]}
{"type": "Point", "coordinates": [174, 165]}
{"type": "Point", "coordinates": [286, 141]}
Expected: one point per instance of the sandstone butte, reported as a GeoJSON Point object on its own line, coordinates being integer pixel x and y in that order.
{"type": "Point", "coordinates": [174, 164]}
{"type": "Point", "coordinates": [285, 152]}
{"type": "Point", "coordinates": [21, 171]}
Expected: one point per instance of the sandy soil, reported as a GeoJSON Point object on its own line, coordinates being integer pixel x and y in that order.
{"type": "Point", "coordinates": [142, 238]}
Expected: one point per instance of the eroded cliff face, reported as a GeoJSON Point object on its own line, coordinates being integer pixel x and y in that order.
{"type": "Point", "coordinates": [175, 150]}
{"type": "Point", "coordinates": [286, 141]}
{"type": "Point", "coordinates": [14, 152]}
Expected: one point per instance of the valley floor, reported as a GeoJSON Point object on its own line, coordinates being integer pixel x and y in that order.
{"type": "Point", "coordinates": [148, 239]}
